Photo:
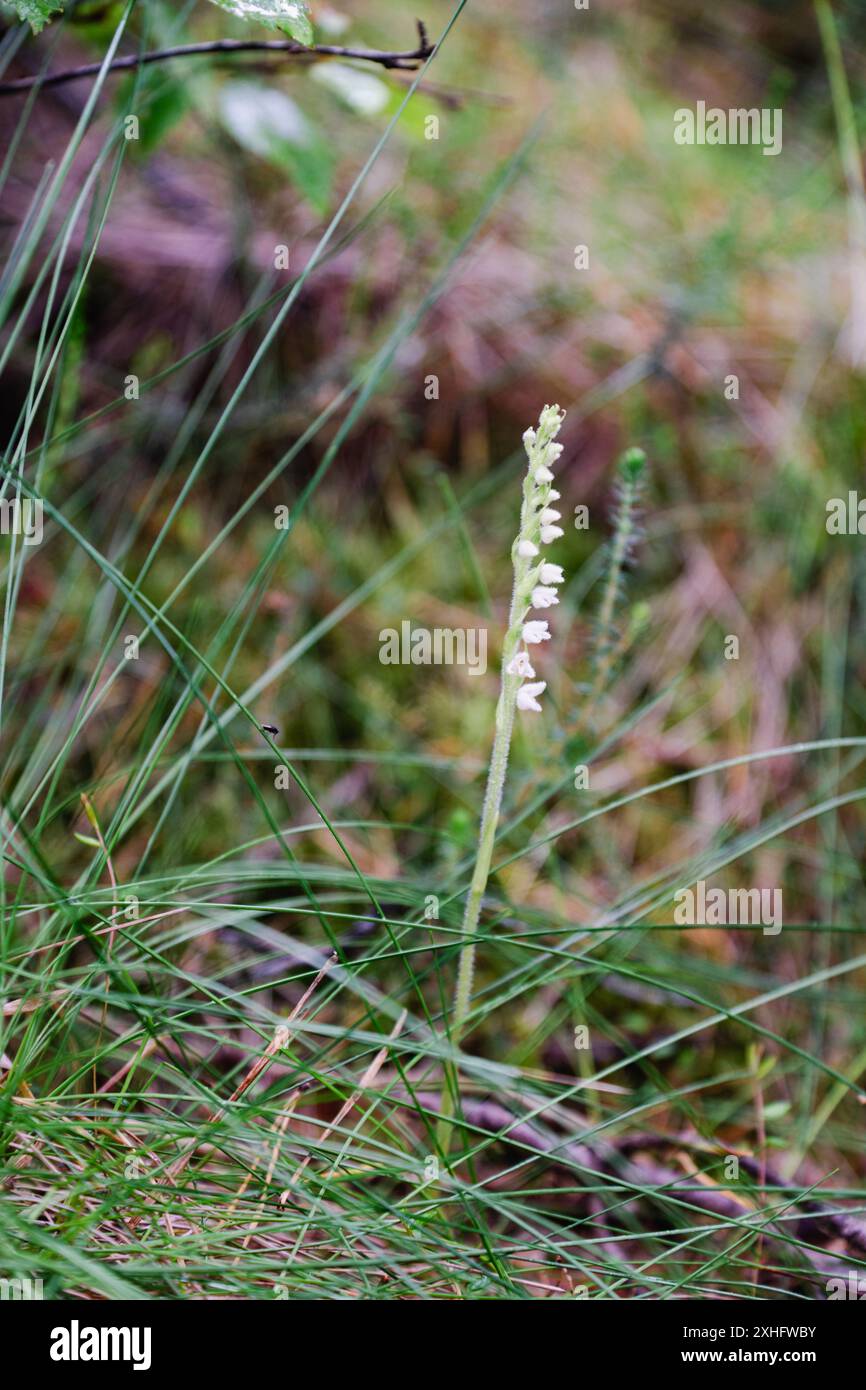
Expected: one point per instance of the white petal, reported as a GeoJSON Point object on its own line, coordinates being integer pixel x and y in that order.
{"type": "Point", "coordinates": [527, 693]}
{"type": "Point", "coordinates": [544, 597]}
{"type": "Point", "coordinates": [535, 631]}
{"type": "Point", "coordinates": [519, 665]}
{"type": "Point", "coordinates": [550, 533]}
{"type": "Point", "coordinates": [527, 549]}
{"type": "Point", "coordinates": [543, 475]}
{"type": "Point", "coordinates": [550, 514]}
{"type": "Point", "coordinates": [551, 574]}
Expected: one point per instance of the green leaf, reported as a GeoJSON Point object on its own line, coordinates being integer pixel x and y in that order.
{"type": "Point", "coordinates": [36, 13]}
{"type": "Point", "coordinates": [162, 100]}
{"type": "Point", "coordinates": [360, 91]}
{"type": "Point", "coordinates": [269, 124]}
{"type": "Point", "coordinates": [777, 1109]}
{"type": "Point", "coordinates": [311, 170]}
{"type": "Point", "coordinates": [289, 15]}
{"type": "Point", "coordinates": [260, 117]}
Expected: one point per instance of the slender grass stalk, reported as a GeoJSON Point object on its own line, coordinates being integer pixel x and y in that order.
{"type": "Point", "coordinates": [533, 588]}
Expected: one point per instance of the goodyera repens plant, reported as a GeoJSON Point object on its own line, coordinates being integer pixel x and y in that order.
{"type": "Point", "coordinates": [534, 591]}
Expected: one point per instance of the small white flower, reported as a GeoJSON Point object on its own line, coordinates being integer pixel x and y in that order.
{"type": "Point", "coordinates": [554, 451]}
{"type": "Point", "coordinates": [550, 533]}
{"type": "Point", "coordinates": [527, 693]}
{"type": "Point", "coordinates": [552, 417]}
{"type": "Point", "coordinates": [551, 574]}
{"type": "Point", "coordinates": [535, 631]}
{"type": "Point", "coordinates": [529, 438]}
{"type": "Point", "coordinates": [543, 475]}
{"type": "Point", "coordinates": [549, 515]}
{"type": "Point", "coordinates": [520, 665]}
{"type": "Point", "coordinates": [527, 549]}
{"type": "Point", "coordinates": [554, 495]}
{"type": "Point", "coordinates": [544, 597]}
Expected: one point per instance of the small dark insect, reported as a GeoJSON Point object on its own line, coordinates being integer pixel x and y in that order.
{"type": "Point", "coordinates": [270, 729]}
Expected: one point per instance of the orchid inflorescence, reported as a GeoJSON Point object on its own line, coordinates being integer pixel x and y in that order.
{"type": "Point", "coordinates": [534, 578]}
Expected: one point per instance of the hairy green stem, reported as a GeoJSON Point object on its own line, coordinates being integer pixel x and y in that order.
{"type": "Point", "coordinates": [480, 874]}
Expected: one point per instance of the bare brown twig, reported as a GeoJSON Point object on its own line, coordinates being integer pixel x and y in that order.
{"type": "Point", "coordinates": [290, 48]}
{"type": "Point", "coordinates": [812, 1220]}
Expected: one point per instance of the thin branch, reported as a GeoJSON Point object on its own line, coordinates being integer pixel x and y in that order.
{"type": "Point", "coordinates": [455, 98]}
{"type": "Point", "coordinates": [288, 48]}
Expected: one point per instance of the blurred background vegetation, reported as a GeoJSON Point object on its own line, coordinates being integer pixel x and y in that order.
{"type": "Point", "coordinates": [378, 387]}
